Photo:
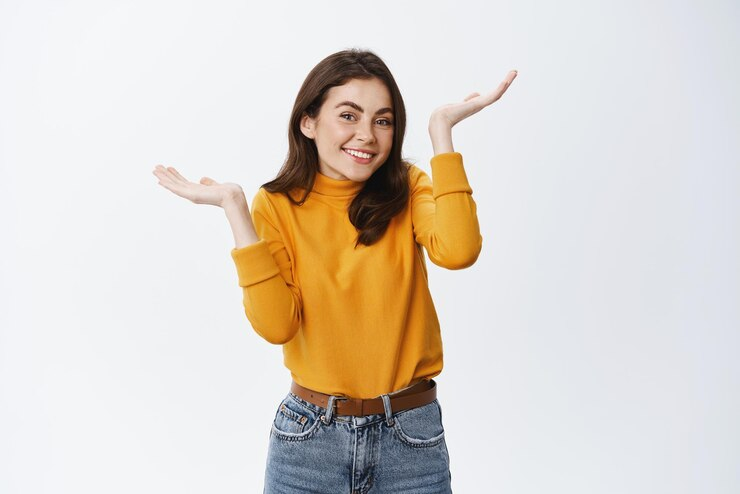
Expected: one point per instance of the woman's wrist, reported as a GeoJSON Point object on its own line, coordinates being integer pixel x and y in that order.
{"type": "Point", "coordinates": [237, 212]}
{"type": "Point", "coordinates": [234, 200]}
{"type": "Point", "coordinates": [440, 132]}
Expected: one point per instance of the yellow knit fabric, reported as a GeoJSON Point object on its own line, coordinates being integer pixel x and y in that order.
{"type": "Point", "coordinates": [356, 322]}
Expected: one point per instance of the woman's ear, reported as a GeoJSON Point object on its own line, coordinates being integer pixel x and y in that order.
{"type": "Point", "coordinates": [307, 126]}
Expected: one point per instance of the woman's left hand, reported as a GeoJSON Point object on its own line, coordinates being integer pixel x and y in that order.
{"type": "Point", "coordinates": [448, 115]}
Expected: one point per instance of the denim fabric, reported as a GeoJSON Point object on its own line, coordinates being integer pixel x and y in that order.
{"type": "Point", "coordinates": [314, 451]}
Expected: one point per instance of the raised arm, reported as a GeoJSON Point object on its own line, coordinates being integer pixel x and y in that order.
{"type": "Point", "coordinates": [443, 213]}
{"type": "Point", "coordinates": [272, 300]}
{"type": "Point", "coordinates": [446, 116]}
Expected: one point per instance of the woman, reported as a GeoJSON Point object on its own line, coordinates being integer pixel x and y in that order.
{"type": "Point", "coordinates": [331, 265]}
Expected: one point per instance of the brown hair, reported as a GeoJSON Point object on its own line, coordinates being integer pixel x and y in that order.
{"type": "Point", "coordinates": [386, 192]}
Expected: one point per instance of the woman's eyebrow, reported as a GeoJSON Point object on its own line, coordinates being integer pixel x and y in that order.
{"type": "Point", "coordinates": [359, 108]}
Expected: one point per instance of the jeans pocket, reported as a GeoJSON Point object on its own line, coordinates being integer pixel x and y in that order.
{"type": "Point", "coordinates": [420, 427]}
{"type": "Point", "coordinates": [294, 422]}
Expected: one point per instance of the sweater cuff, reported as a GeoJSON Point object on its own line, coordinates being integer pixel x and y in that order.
{"type": "Point", "coordinates": [254, 263]}
{"type": "Point", "coordinates": [448, 174]}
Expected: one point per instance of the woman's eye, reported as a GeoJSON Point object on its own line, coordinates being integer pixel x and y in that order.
{"type": "Point", "coordinates": [346, 115]}
{"type": "Point", "coordinates": [387, 122]}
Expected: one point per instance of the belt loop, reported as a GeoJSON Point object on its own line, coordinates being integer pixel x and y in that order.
{"type": "Point", "coordinates": [329, 410]}
{"type": "Point", "coordinates": [388, 411]}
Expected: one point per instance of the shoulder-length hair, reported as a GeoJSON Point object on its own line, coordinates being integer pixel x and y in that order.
{"type": "Point", "coordinates": [386, 192]}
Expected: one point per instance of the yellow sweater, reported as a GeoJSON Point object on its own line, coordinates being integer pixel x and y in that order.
{"type": "Point", "coordinates": [356, 322]}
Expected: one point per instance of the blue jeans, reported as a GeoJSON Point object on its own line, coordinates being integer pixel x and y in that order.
{"type": "Point", "coordinates": [312, 450]}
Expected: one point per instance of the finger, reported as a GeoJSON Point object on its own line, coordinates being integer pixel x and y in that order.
{"type": "Point", "coordinates": [494, 95]}
{"type": "Point", "coordinates": [159, 169]}
{"type": "Point", "coordinates": [174, 187]}
{"type": "Point", "coordinates": [165, 173]}
{"type": "Point", "coordinates": [501, 89]}
{"type": "Point", "coordinates": [508, 80]}
{"type": "Point", "coordinates": [485, 100]}
{"type": "Point", "coordinates": [162, 171]}
{"type": "Point", "coordinates": [164, 180]}
{"type": "Point", "coordinates": [471, 96]}
{"type": "Point", "coordinates": [208, 181]}
{"type": "Point", "coordinates": [167, 178]}
{"type": "Point", "coordinates": [176, 174]}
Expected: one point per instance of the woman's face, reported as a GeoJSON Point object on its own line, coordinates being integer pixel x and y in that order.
{"type": "Point", "coordinates": [357, 116]}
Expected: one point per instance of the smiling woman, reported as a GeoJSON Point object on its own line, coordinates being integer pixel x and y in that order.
{"type": "Point", "coordinates": [331, 266]}
{"type": "Point", "coordinates": [346, 139]}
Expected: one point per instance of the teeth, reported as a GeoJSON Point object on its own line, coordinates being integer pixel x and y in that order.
{"type": "Point", "coordinates": [359, 154]}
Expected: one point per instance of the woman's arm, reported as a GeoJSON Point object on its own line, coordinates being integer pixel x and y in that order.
{"type": "Point", "coordinates": [445, 117]}
{"type": "Point", "coordinates": [237, 213]}
{"type": "Point", "coordinates": [444, 214]}
{"type": "Point", "coordinates": [272, 301]}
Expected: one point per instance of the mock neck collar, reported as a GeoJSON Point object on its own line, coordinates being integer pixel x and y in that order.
{"type": "Point", "coordinates": [332, 187]}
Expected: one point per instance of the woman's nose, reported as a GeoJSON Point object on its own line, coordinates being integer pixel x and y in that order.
{"type": "Point", "coordinates": [365, 133]}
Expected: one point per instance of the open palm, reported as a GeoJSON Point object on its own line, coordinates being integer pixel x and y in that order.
{"type": "Point", "coordinates": [208, 191]}
{"type": "Point", "coordinates": [455, 112]}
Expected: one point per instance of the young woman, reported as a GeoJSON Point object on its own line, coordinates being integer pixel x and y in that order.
{"type": "Point", "coordinates": [331, 265]}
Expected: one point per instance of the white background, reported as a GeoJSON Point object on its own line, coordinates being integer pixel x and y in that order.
{"type": "Point", "coordinates": [593, 347]}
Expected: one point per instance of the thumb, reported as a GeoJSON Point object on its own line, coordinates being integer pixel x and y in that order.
{"type": "Point", "coordinates": [207, 181]}
{"type": "Point", "coordinates": [472, 95]}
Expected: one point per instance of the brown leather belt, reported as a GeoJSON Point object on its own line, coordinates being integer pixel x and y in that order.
{"type": "Point", "coordinates": [419, 394]}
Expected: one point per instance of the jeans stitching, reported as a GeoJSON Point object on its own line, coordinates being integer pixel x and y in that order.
{"type": "Point", "coordinates": [301, 436]}
{"type": "Point", "coordinates": [417, 443]}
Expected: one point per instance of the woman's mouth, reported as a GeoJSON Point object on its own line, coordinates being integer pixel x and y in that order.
{"type": "Point", "coordinates": [359, 157]}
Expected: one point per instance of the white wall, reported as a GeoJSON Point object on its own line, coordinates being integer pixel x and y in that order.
{"type": "Point", "coordinates": [591, 349]}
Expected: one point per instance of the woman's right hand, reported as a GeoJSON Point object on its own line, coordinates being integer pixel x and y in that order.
{"type": "Point", "coordinates": [208, 191]}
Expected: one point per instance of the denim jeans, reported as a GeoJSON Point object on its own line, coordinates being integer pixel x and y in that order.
{"type": "Point", "coordinates": [312, 450]}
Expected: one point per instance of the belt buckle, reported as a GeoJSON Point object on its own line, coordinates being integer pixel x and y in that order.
{"type": "Point", "coordinates": [334, 406]}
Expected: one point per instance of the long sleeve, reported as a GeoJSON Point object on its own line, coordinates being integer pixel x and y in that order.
{"type": "Point", "coordinates": [272, 300]}
{"type": "Point", "coordinates": [354, 321]}
{"type": "Point", "coordinates": [444, 215]}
